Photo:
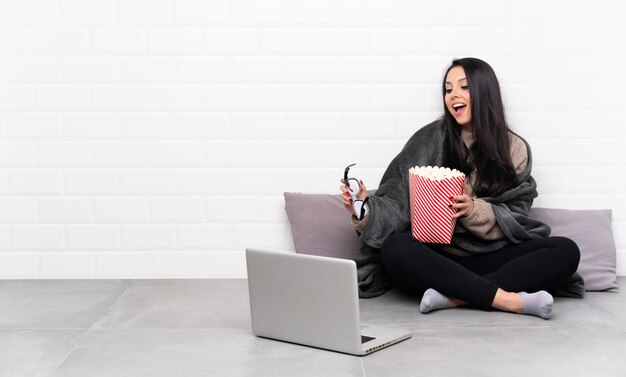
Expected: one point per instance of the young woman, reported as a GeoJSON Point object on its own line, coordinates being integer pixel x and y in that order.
{"type": "Point", "coordinates": [499, 257]}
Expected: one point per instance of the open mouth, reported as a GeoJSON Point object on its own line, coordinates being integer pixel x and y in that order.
{"type": "Point", "coordinates": [458, 108]}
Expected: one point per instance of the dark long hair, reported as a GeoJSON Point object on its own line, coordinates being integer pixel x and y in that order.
{"type": "Point", "coordinates": [490, 154]}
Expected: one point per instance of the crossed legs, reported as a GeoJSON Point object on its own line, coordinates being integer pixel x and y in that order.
{"type": "Point", "coordinates": [497, 280]}
{"type": "Point", "coordinates": [538, 303]}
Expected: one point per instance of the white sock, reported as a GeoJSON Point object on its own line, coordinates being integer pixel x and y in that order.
{"type": "Point", "coordinates": [433, 300]}
{"type": "Point", "coordinates": [538, 303]}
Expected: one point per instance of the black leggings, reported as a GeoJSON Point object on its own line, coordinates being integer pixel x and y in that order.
{"type": "Point", "coordinates": [529, 266]}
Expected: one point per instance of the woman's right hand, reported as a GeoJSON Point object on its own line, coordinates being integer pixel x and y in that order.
{"type": "Point", "coordinates": [345, 195]}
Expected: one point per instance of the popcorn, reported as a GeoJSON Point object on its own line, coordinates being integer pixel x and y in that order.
{"type": "Point", "coordinates": [435, 172]}
{"type": "Point", "coordinates": [430, 189]}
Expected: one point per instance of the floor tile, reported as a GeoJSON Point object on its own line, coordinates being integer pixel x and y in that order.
{"type": "Point", "coordinates": [611, 306]}
{"type": "Point", "coordinates": [189, 353]}
{"type": "Point", "coordinates": [516, 351]}
{"type": "Point", "coordinates": [171, 304]}
{"type": "Point", "coordinates": [202, 328]}
{"type": "Point", "coordinates": [55, 304]}
{"type": "Point", "coordinates": [35, 353]}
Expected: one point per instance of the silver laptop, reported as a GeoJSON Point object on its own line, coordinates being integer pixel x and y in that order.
{"type": "Point", "coordinates": [313, 301]}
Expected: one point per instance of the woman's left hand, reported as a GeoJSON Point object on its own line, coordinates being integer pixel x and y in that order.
{"type": "Point", "coordinates": [463, 204]}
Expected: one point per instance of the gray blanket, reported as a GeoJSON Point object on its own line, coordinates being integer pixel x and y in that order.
{"type": "Point", "coordinates": [390, 209]}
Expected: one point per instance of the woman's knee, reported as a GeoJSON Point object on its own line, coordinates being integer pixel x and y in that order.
{"type": "Point", "coordinates": [395, 240]}
{"type": "Point", "coordinates": [568, 250]}
{"type": "Point", "coordinates": [394, 248]}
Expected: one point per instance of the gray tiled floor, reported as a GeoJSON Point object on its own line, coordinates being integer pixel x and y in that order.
{"type": "Point", "coordinates": [202, 328]}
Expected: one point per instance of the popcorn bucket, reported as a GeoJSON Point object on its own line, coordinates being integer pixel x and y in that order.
{"type": "Point", "coordinates": [430, 188]}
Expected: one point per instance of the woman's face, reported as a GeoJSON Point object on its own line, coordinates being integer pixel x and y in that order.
{"type": "Point", "coordinates": [457, 97]}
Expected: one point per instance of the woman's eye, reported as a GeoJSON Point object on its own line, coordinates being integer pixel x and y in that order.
{"type": "Point", "coordinates": [465, 87]}
{"type": "Point", "coordinates": [448, 91]}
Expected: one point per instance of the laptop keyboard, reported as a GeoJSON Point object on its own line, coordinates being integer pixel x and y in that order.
{"type": "Point", "coordinates": [365, 339]}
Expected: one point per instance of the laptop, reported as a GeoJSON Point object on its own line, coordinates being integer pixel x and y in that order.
{"type": "Point", "coordinates": [313, 301]}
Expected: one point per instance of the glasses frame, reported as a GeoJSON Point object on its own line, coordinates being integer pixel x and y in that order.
{"type": "Point", "coordinates": [345, 174]}
{"type": "Point", "coordinates": [360, 209]}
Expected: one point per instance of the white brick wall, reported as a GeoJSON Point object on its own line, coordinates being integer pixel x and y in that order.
{"type": "Point", "coordinates": [154, 138]}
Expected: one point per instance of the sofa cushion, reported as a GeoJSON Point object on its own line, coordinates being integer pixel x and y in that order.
{"type": "Point", "coordinates": [591, 230]}
{"type": "Point", "coordinates": [321, 226]}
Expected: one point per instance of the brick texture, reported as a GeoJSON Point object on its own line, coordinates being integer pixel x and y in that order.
{"type": "Point", "coordinates": [155, 138]}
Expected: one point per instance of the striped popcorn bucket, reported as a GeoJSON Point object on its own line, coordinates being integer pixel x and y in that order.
{"type": "Point", "coordinates": [432, 220]}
